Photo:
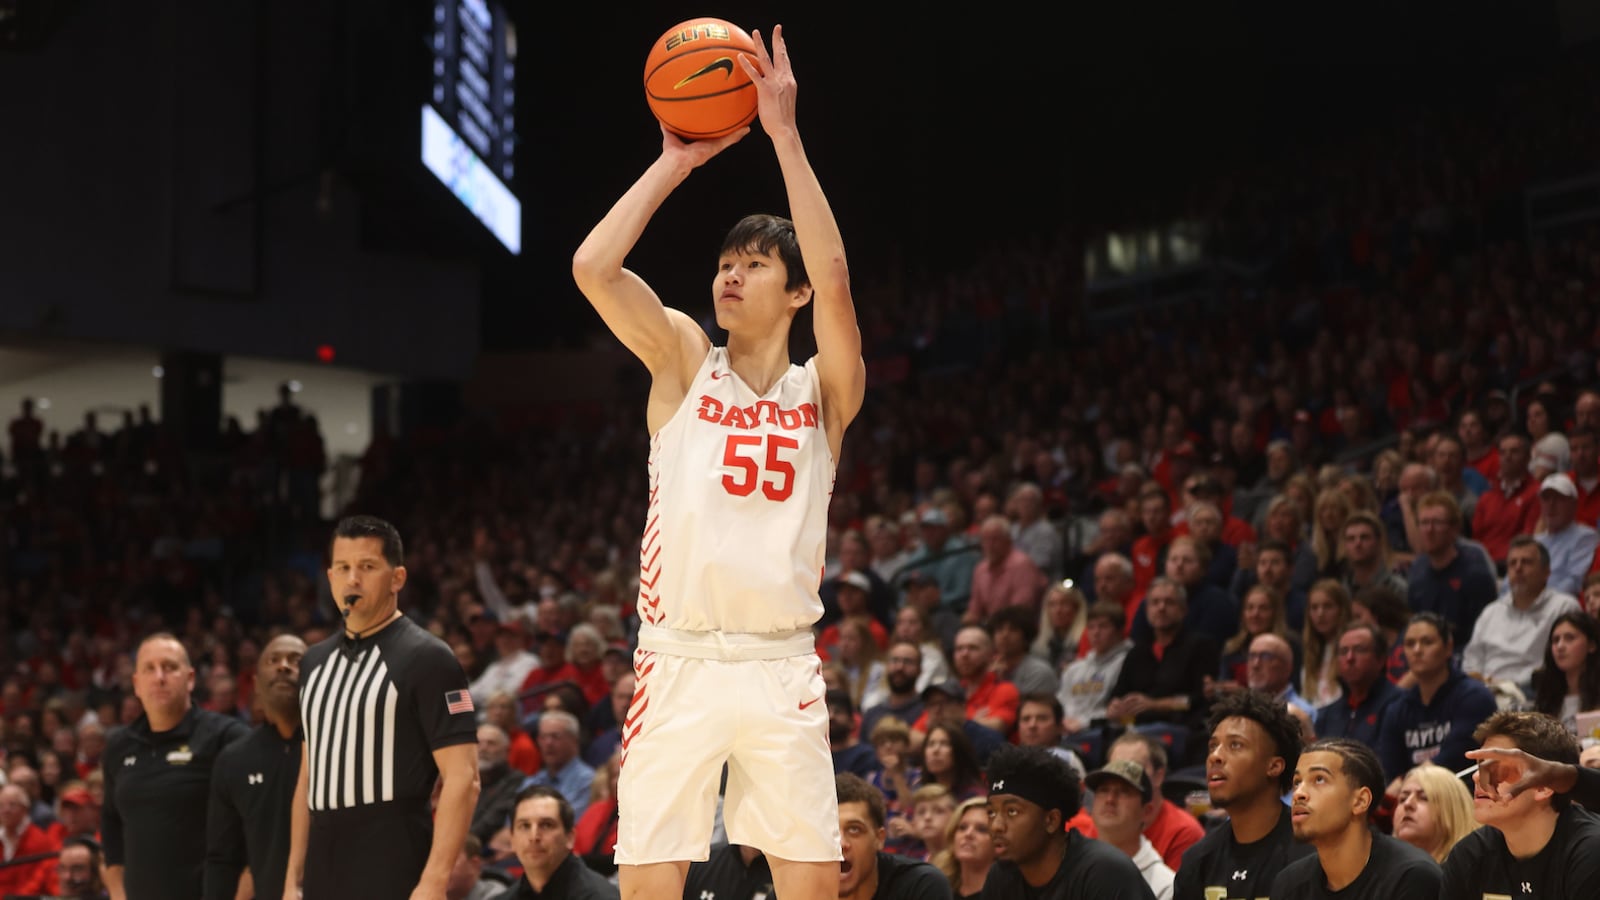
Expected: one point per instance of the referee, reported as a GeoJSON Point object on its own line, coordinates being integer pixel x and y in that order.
{"type": "Point", "coordinates": [387, 714]}
{"type": "Point", "coordinates": [253, 782]}
{"type": "Point", "coordinates": [157, 778]}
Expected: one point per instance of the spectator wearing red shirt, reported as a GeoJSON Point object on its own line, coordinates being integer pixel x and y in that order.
{"type": "Point", "coordinates": [1005, 576]}
{"type": "Point", "coordinates": [991, 702]}
{"type": "Point", "coordinates": [20, 838]}
{"type": "Point", "coordinates": [1480, 452]}
{"type": "Point", "coordinates": [853, 593]}
{"type": "Point", "coordinates": [1150, 550]}
{"type": "Point", "coordinates": [523, 754]}
{"type": "Point", "coordinates": [553, 666]}
{"type": "Point", "coordinates": [1584, 450]}
{"type": "Point", "coordinates": [1170, 828]}
{"type": "Point", "coordinates": [1511, 505]}
{"type": "Point", "coordinates": [584, 648]}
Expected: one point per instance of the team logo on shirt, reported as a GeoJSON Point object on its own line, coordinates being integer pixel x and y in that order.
{"type": "Point", "coordinates": [1241, 874]}
{"type": "Point", "coordinates": [255, 778]}
{"type": "Point", "coordinates": [129, 760]}
{"type": "Point", "coordinates": [180, 757]}
{"type": "Point", "coordinates": [456, 702]}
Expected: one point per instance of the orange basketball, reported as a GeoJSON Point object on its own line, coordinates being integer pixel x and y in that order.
{"type": "Point", "coordinates": [694, 82]}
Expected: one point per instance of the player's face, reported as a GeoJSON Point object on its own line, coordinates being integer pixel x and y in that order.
{"type": "Point", "coordinates": [162, 676]}
{"type": "Point", "coordinates": [749, 290]}
{"type": "Point", "coordinates": [1240, 762]}
{"type": "Point", "coordinates": [859, 843]}
{"type": "Point", "coordinates": [1487, 808]}
{"type": "Point", "coordinates": [357, 568]}
{"type": "Point", "coordinates": [537, 836]}
{"type": "Point", "coordinates": [1413, 817]}
{"type": "Point", "coordinates": [1324, 803]}
{"type": "Point", "coordinates": [1017, 827]}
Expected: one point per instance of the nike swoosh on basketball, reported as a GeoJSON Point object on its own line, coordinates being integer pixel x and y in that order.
{"type": "Point", "coordinates": [809, 702]}
{"type": "Point", "coordinates": [718, 375]}
{"type": "Point", "coordinates": [724, 63]}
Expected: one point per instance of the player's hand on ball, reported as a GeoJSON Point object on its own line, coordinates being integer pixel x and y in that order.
{"type": "Point", "coordinates": [695, 153]}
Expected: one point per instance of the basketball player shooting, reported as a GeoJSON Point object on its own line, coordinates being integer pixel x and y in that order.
{"type": "Point", "coordinates": [742, 456]}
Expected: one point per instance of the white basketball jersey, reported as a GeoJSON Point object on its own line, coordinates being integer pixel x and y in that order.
{"type": "Point", "coordinates": [739, 487]}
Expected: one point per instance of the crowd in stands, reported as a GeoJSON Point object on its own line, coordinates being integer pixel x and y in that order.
{"type": "Point", "coordinates": [1365, 485]}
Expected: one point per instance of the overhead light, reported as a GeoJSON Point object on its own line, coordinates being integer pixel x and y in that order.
{"type": "Point", "coordinates": [43, 403]}
{"type": "Point", "coordinates": [158, 372]}
{"type": "Point", "coordinates": [294, 386]}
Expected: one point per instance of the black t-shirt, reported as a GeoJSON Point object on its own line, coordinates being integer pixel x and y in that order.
{"type": "Point", "coordinates": [252, 791]}
{"type": "Point", "coordinates": [157, 790]}
{"type": "Point", "coordinates": [1089, 869]}
{"type": "Point", "coordinates": [724, 876]}
{"type": "Point", "coordinates": [900, 878]}
{"type": "Point", "coordinates": [1395, 871]}
{"type": "Point", "coordinates": [1480, 866]}
{"type": "Point", "coordinates": [374, 712]}
{"type": "Point", "coordinates": [1218, 867]}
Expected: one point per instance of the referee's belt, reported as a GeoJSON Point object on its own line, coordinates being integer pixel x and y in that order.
{"type": "Point", "coordinates": [731, 647]}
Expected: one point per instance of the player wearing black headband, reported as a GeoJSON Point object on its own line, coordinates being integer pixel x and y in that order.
{"type": "Point", "coordinates": [1032, 794]}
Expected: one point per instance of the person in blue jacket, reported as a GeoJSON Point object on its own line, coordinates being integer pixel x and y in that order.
{"type": "Point", "coordinates": [1433, 720]}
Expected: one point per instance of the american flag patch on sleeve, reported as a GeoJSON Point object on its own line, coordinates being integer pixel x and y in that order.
{"type": "Point", "coordinates": [457, 702]}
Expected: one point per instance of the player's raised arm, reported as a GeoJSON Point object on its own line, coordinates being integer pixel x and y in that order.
{"type": "Point", "coordinates": [844, 375]}
{"type": "Point", "coordinates": [624, 301]}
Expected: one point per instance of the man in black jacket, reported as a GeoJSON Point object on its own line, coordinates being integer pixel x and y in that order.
{"type": "Point", "coordinates": [541, 833]}
{"type": "Point", "coordinates": [252, 786]}
{"type": "Point", "coordinates": [500, 784]}
{"type": "Point", "coordinates": [158, 780]}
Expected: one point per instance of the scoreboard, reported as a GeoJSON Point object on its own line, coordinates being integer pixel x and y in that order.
{"type": "Point", "coordinates": [469, 136]}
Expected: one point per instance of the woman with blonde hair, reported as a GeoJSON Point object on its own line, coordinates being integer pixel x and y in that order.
{"type": "Point", "coordinates": [1327, 612]}
{"type": "Point", "coordinates": [1062, 616]}
{"type": "Point", "coordinates": [1434, 811]}
{"type": "Point", "coordinates": [969, 851]}
{"type": "Point", "coordinates": [1327, 523]}
{"type": "Point", "coordinates": [859, 657]}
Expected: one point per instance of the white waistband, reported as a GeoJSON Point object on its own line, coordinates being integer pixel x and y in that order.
{"type": "Point", "coordinates": [726, 646]}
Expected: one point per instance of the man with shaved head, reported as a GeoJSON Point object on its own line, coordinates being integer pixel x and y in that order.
{"type": "Point", "coordinates": [253, 784]}
{"type": "Point", "coordinates": [158, 779]}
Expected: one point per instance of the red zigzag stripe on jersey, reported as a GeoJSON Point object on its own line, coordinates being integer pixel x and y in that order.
{"type": "Point", "coordinates": [634, 723]}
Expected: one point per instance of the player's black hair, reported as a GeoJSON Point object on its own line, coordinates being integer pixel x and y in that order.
{"type": "Point", "coordinates": [852, 788]}
{"type": "Point", "coordinates": [1273, 717]}
{"type": "Point", "coordinates": [1358, 763]}
{"type": "Point", "coordinates": [352, 527]}
{"type": "Point", "coordinates": [770, 234]}
{"type": "Point", "coordinates": [1036, 767]}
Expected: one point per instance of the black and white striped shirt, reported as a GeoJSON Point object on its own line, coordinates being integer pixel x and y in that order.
{"type": "Point", "coordinates": [374, 710]}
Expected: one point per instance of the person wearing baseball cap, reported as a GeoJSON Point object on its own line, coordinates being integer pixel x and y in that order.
{"type": "Point", "coordinates": [1032, 795]}
{"type": "Point", "coordinates": [1571, 543]}
{"type": "Point", "coordinates": [1122, 798]}
{"type": "Point", "coordinates": [77, 815]}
